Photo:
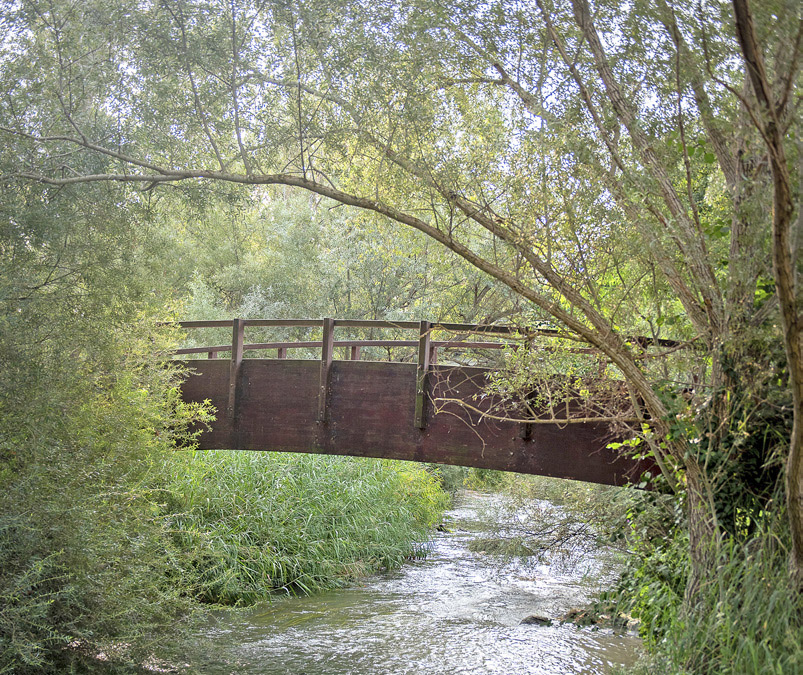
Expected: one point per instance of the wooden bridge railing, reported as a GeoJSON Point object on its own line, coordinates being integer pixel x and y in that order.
{"type": "Point", "coordinates": [427, 352]}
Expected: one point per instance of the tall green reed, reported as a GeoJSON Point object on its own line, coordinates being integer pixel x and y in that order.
{"type": "Point", "coordinates": [252, 524]}
{"type": "Point", "coordinates": [749, 620]}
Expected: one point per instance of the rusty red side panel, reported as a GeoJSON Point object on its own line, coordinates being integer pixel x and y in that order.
{"type": "Point", "coordinates": [371, 413]}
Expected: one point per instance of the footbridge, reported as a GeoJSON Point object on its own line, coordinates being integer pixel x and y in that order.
{"type": "Point", "coordinates": [372, 402]}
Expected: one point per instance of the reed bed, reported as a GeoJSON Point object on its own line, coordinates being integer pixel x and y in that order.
{"type": "Point", "coordinates": [251, 524]}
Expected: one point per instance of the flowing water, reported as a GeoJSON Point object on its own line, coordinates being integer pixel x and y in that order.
{"type": "Point", "coordinates": [453, 612]}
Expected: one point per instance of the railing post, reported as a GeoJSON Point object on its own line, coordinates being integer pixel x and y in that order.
{"type": "Point", "coordinates": [355, 352]}
{"type": "Point", "coordinates": [282, 352]}
{"type": "Point", "coordinates": [526, 428]}
{"type": "Point", "coordinates": [424, 349]}
{"type": "Point", "coordinates": [212, 355]}
{"type": "Point", "coordinates": [238, 330]}
{"type": "Point", "coordinates": [327, 348]}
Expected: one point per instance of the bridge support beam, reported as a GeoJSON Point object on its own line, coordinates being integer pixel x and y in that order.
{"type": "Point", "coordinates": [327, 350]}
{"type": "Point", "coordinates": [370, 414]}
{"type": "Point", "coordinates": [424, 353]}
{"type": "Point", "coordinates": [237, 339]}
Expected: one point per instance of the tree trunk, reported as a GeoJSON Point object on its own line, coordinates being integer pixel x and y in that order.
{"type": "Point", "coordinates": [794, 500]}
{"type": "Point", "coordinates": [768, 118]}
{"type": "Point", "coordinates": [703, 534]}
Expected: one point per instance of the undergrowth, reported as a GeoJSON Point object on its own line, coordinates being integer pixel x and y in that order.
{"type": "Point", "coordinates": [748, 619]}
{"type": "Point", "coordinates": [83, 553]}
{"type": "Point", "coordinates": [252, 524]}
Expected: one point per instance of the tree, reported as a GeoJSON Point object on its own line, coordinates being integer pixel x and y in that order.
{"type": "Point", "coordinates": [607, 164]}
{"type": "Point", "coordinates": [85, 423]}
{"type": "Point", "coordinates": [771, 114]}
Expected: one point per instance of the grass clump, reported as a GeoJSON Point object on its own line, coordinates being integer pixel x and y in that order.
{"type": "Point", "coordinates": [748, 619]}
{"type": "Point", "coordinates": [251, 524]}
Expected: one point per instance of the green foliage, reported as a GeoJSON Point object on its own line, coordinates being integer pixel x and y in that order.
{"type": "Point", "coordinates": [739, 432]}
{"type": "Point", "coordinates": [287, 255]}
{"type": "Point", "coordinates": [450, 478]}
{"type": "Point", "coordinates": [550, 378]}
{"type": "Point", "coordinates": [87, 406]}
{"type": "Point", "coordinates": [454, 478]}
{"type": "Point", "coordinates": [652, 586]}
{"type": "Point", "coordinates": [82, 548]}
{"type": "Point", "coordinates": [748, 621]}
{"type": "Point", "coordinates": [252, 524]}
{"type": "Point", "coordinates": [746, 618]}
{"type": "Point", "coordinates": [483, 479]}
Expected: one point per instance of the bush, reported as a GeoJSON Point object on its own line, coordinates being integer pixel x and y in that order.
{"type": "Point", "coordinates": [450, 478]}
{"type": "Point", "coordinates": [82, 547]}
{"type": "Point", "coordinates": [484, 479]}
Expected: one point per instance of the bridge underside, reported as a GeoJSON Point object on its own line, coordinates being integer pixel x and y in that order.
{"type": "Point", "coordinates": [369, 411]}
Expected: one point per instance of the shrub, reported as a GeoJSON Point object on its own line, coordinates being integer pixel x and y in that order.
{"type": "Point", "coordinates": [82, 547]}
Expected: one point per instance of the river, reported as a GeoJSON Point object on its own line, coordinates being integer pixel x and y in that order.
{"type": "Point", "coordinates": [451, 613]}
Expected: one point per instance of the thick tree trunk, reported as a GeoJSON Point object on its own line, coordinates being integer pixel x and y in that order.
{"type": "Point", "coordinates": [703, 534]}
{"type": "Point", "coordinates": [768, 118]}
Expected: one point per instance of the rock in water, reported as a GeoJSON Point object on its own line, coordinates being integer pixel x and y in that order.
{"type": "Point", "coordinates": [536, 620]}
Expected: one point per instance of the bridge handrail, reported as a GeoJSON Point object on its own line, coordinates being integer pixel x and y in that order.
{"type": "Point", "coordinates": [355, 344]}
{"type": "Point", "coordinates": [427, 348]}
{"type": "Point", "coordinates": [372, 323]}
{"type": "Point", "coordinates": [493, 329]}
{"type": "Point", "coordinates": [317, 344]}
{"type": "Point", "coordinates": [312, 344]}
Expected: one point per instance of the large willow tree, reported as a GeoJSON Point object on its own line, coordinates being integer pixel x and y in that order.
{"type": "Point", "coordinates": [624, 167]}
